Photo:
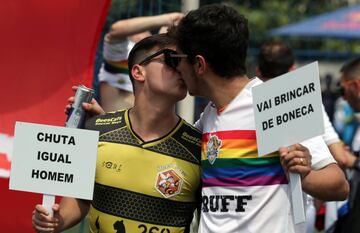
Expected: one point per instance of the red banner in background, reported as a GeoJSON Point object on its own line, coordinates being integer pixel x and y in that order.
{"type": "Point", "coordinates": [45, 48]}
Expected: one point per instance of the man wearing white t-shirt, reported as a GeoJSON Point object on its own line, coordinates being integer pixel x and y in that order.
{"type": "Point", "coordinates": [350, 83]}
{"type": "Point", "coordinates": [241, 191]}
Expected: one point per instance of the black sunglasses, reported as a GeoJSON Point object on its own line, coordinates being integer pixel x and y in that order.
{"type": "Point", "coordinates": [171, 57]}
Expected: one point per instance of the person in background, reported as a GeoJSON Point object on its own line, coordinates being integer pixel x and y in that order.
{"type": "Point", "coordinates": [115, 86]}
{"type": "Point", "coordinates": [350, 83]}
{"type": "Point", "coordinates": [344, 120]}
{"type": "Point", "coordinates": [238, 194]}
{"type": "Point", "coordinates": [329, 96]}
{"type": "Point", "coordinates": [148, 166]}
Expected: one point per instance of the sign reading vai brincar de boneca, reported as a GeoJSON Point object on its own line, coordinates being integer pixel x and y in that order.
{"type": "Point", "coordinates": [288, 109]}
{"type": "Point", "coordinates": [54, 160]}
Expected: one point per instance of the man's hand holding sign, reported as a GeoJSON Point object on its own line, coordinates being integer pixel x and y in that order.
{"type": "Point", "coordinates": [288, 111]}
{"type": "Point", "coordinates": [296, 159]}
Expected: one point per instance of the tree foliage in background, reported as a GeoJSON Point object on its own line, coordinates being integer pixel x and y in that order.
{"type": "Point", "coordinates": [266, 15]}
{"type": "Point", "coordinates": [262, 15]}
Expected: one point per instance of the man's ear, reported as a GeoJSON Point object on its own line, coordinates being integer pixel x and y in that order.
{"type": "Point", "coordinates": [200, 65]}
{"type": "Point", "coordinates": [138, 73]}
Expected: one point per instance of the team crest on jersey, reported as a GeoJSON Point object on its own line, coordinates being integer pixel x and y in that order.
{"type": "Point", "coordinates": [213, 148]}
{"type": "Point", "coordinates": [168, 183]}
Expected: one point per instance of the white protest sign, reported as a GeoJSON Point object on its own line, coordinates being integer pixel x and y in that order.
{"type": "Point", "coordinates": [288, 109]}
{"type": "Point", "coordinates": [54, 160]}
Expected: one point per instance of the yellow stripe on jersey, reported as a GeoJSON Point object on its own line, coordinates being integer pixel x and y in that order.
{"type": "Point", "coordinates": [100, 222]}
{"type": "Point", "coordinates": [238, 153]}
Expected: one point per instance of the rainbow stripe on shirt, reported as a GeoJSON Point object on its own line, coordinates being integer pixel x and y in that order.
{"type": "Point", "coordinates": [230, 158]}
{"type": "Point", "coordinates": [117, 66]}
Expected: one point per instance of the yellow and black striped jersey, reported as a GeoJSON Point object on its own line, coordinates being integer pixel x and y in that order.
{"type": "Point", "coordinates": [144, 186]}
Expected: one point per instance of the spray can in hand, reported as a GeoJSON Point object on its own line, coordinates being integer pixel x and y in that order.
{"type": "Point", "coordinates": [76, 115]}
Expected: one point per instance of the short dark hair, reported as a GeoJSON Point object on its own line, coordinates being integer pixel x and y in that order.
{"type": "Point", "coordinates": [275, 58]}
{"type": "Point", "coordinates": [218, 33]}
{"type": "Point", "coordinates": [351, 69]}
{"type": "Point", "coordinates": [142, 48]}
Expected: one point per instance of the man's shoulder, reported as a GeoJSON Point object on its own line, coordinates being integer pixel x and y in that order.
{"type": "Point", "coordinates": [106, 122]}
{"type": "Point", "coordinates": [188, 131]}
{"type": "Point", "coordinates": [189, 138]}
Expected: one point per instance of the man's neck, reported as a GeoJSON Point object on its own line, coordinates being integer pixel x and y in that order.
{"type": "Point", "coordinates": [222, 91]}
{"type": "Point", "coordinates": [151, 121]}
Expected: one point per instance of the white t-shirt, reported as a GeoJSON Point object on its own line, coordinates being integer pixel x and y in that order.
{"type": "Point", "coordinates": [241, 191]}
{"type": "Point", "coordinates": [330, 136]}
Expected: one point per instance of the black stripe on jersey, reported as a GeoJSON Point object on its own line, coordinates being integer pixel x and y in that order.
{"type": "Point", "coordinates": [141, 207]}
{"type": "Point", "coordinates": [190, 138]}
{"type": "Point", "coordinates": [173, 148]}
{"type": "Point", "coordinates": [121, 136]}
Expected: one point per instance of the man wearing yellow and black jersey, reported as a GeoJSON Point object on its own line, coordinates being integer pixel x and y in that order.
{"type": "Point", "coordinates": [148, 167]}
{"type": "Point", "coordinates": [143, 186]}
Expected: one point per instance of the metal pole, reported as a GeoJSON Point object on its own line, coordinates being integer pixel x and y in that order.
{"type": "Point", "coordinates": [186, 107]}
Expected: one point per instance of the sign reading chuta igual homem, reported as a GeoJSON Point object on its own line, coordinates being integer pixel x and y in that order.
{"type": "Point", "coordinates": [54, 160]}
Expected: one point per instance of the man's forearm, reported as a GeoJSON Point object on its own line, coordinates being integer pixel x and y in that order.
{"type": "Point", "coordinates": [71, 212]}
{"type": "Point", "coordinates": [328, 183]}
{"type": "Point", "coordinates": [124, 28]}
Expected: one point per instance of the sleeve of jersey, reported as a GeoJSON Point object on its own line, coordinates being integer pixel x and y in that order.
{"type": "Point", "coordinates": [330, 136]}
{"type": "Point", "coordinates": [90, 123]}
{"type": "Point", "coordinates": [320, 154]}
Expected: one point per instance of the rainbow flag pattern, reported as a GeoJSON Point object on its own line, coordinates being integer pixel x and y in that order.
{"type": "Point", "coordinates": [236, 162]}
